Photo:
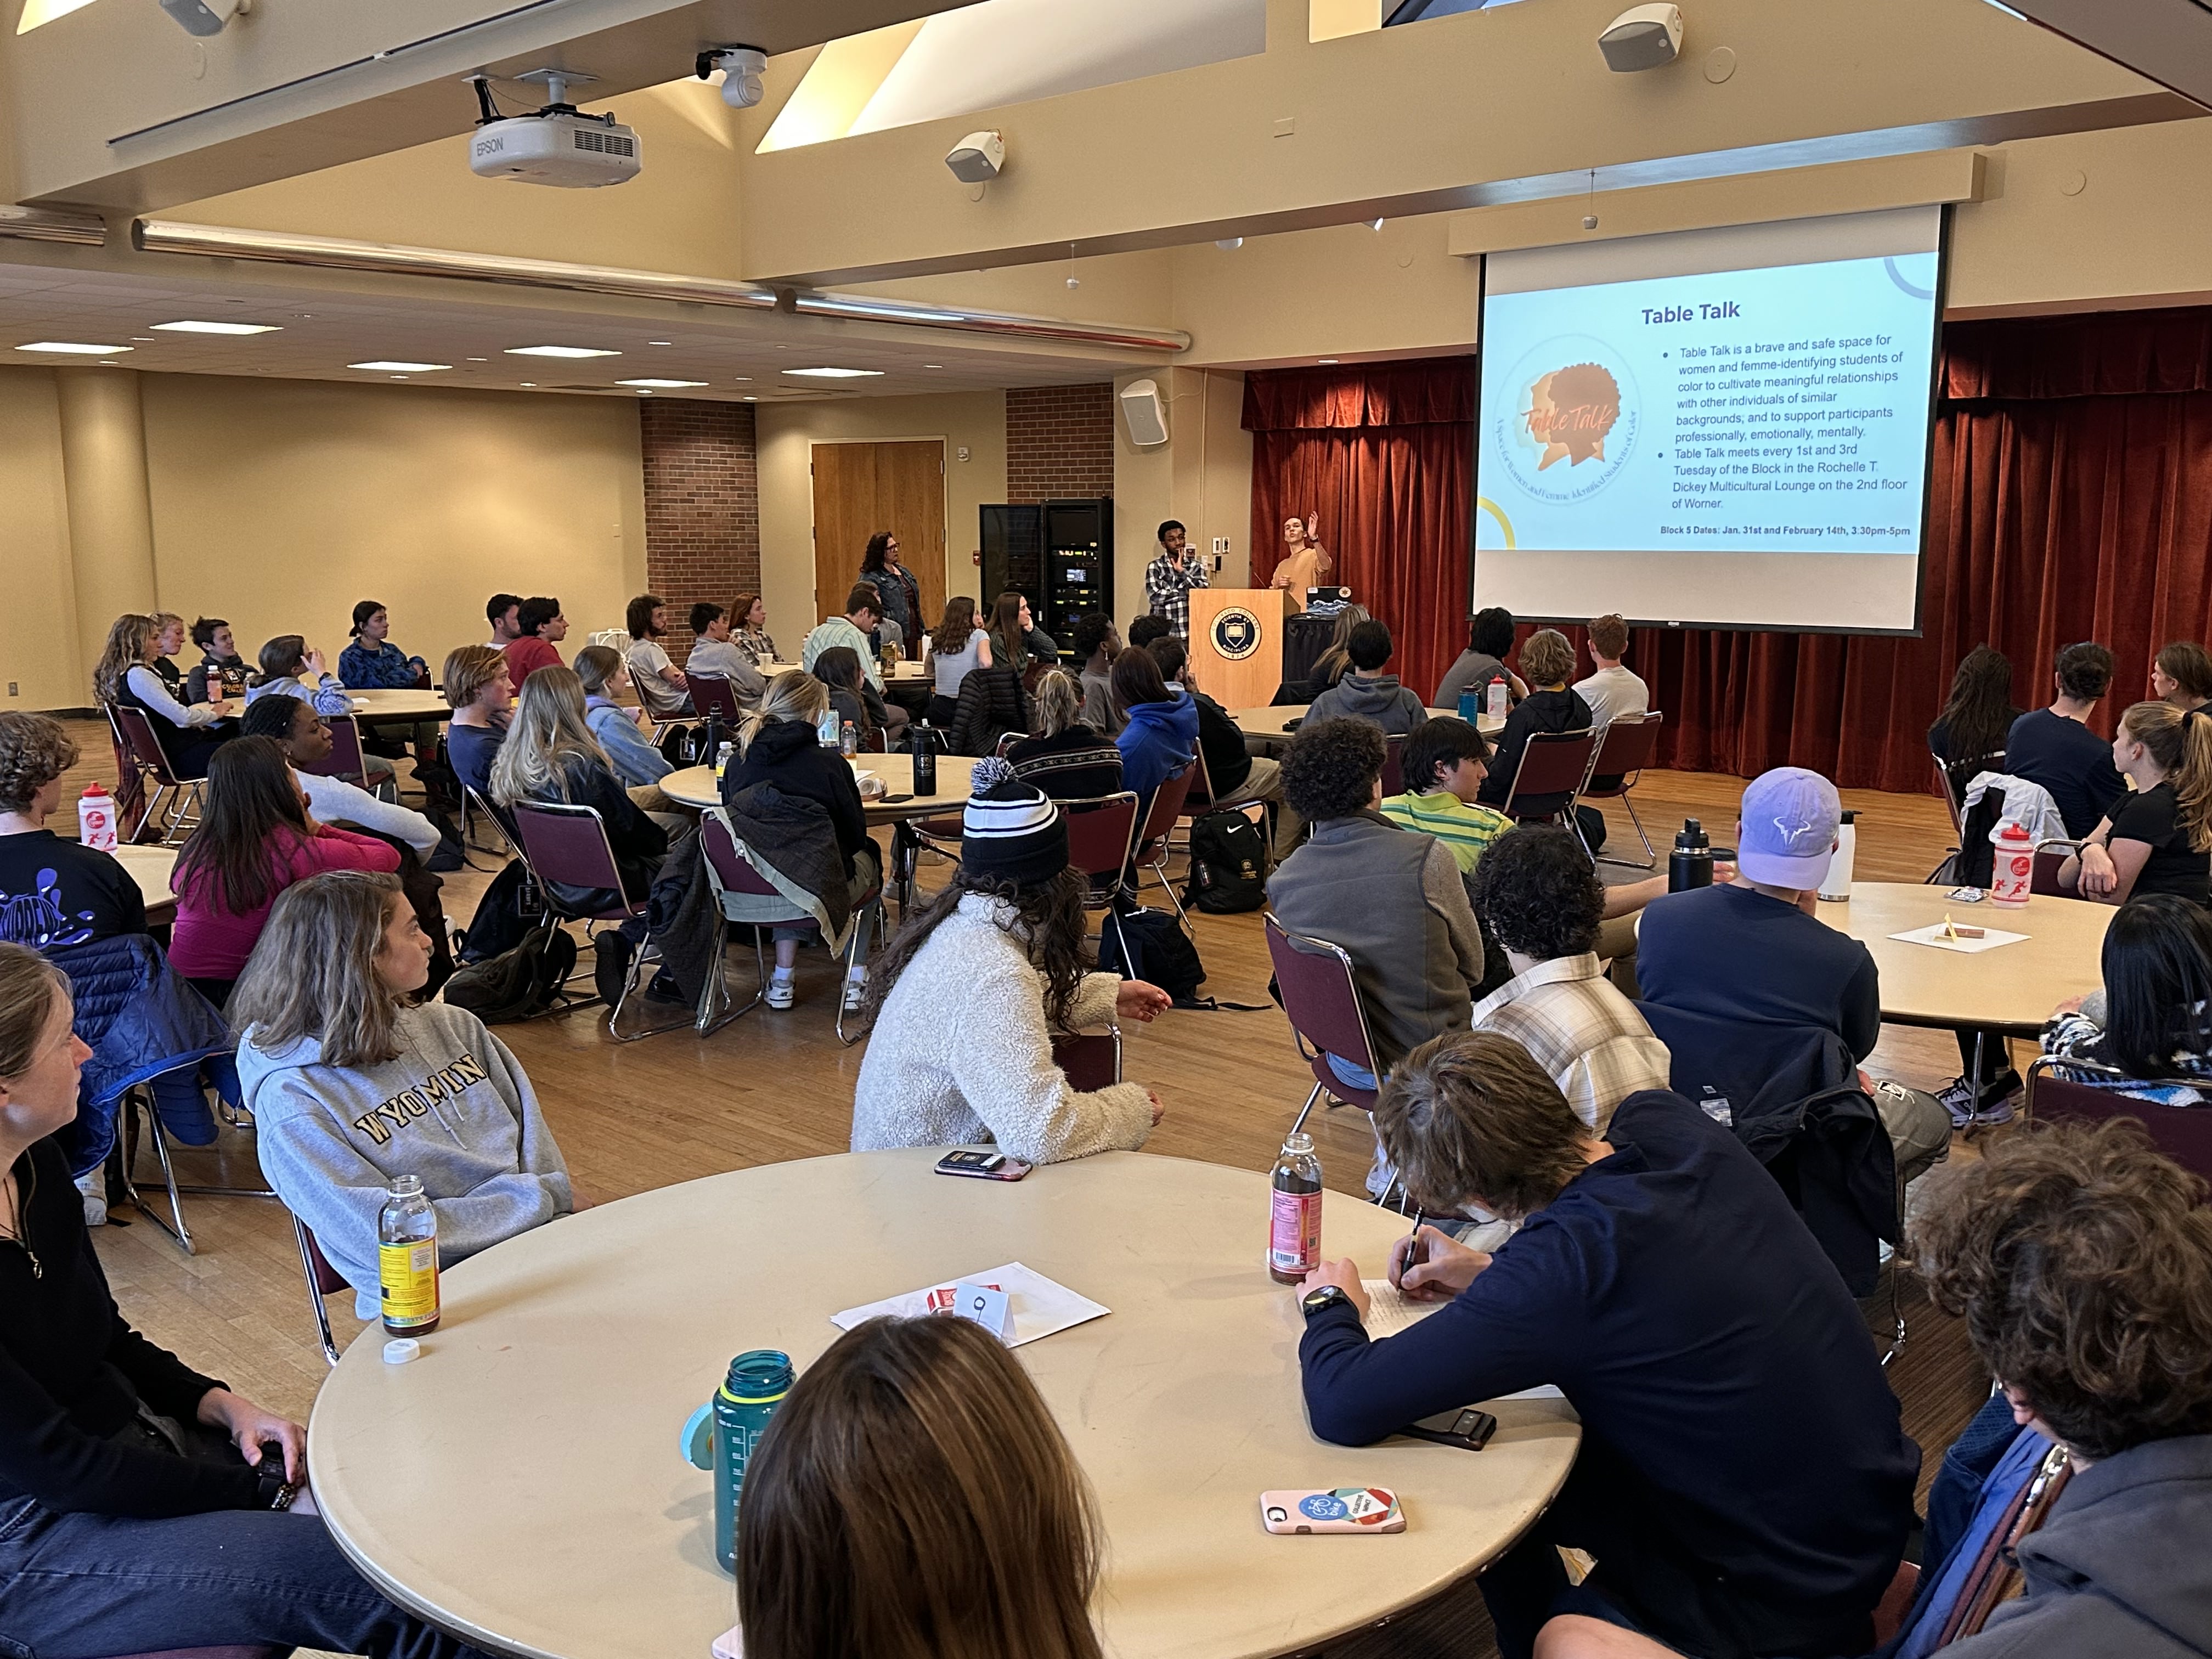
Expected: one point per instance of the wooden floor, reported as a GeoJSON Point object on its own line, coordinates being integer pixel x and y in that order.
{"type": "Point", "coordinates": [778, 1085]}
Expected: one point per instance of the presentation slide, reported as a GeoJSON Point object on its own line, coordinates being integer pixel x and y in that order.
{"type": "Point", "coordinates": [1723, 427]}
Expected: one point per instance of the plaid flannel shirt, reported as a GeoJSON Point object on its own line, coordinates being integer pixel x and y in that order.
{"type": "Point", "coordinates": [1578, 1028]}
{"type": "Point", "coordinates": [1167, 590]}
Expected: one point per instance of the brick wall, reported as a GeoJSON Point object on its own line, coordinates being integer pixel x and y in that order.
{"type": "Point", "coordinates": [1060, 441]}
{"type": "Point", "coordinates": [701, 506]}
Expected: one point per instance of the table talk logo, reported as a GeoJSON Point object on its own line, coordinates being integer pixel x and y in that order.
{"type": "Point", "coordinates": [1566, 419]}
{"type": "Point", "coordinates": [1236, 633]}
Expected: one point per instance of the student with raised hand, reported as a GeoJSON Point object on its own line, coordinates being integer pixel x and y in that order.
{"type": "Point", "coordinates": [1366, 692]}
{"type": "Point", "coordinates": [965, 1001]}
{"type": "Point", "coordinates": [1489, 641]}
{"type": "Point", "coordinates": [2056, 747]}
{"type": "Point", "coordinates": [2157, 838]}
{"type": "Point", "coordinates": [221, 671]}
{"type": "Point", "coordinates": [371, 660]}
{"type": "Point", "coordinates": [2153, 1020]}
{"type": "Point", "coordinates": [1745, 1481]}
{"type": "Point", "coordinates": [256, 838]}
{"type": "Point", "coordinates": [330, 1037]}
{"type": "Point", "coordinates": [921, 1442]}
{"type": "Point", "coordinates": [299, 732]}
{"type": "Point", "coordinates": [482, 697]}
{"type": "Point", "coordinates": [659, 683]}
{"type": "Point", "coordinates": [540, 627]}
{"type": "Point", "coordinates": [189, 734]}
{"type": "Point", "coordinates": [2181, 674]}
{"type": "Point", "coordinates": [2081, 1259]}
{"type": "Point", "coordinates": [714, 657]}
{"type": "Point", "coordinates": [291, 668]}
{"type": "Point", "coordinates": [142, 1504]}
{"type": "Point", "coordinates": [604, 677]}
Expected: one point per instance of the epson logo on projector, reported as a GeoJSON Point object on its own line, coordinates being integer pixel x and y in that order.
{"type": "Point", "coordinates": [1715, 313]}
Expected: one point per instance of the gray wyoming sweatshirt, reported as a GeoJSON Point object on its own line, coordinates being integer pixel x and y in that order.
{"type": "Point", "coordinates": [454, 1110]}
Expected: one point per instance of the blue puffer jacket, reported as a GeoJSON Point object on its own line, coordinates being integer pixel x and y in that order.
{"type": "Point", "coordinates": [142, 1018]}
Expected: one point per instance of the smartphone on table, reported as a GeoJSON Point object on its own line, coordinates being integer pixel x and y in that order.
{"type": "Point", "coordinates": [981, 1162]}
{"type": "Point", "coordinates": [1464, 1427]}
{"type": "Point", "coordinates": [1344, 1509]}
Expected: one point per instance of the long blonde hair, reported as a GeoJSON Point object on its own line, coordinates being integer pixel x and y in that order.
{"type": "Point", "coordinates": [1058, 703]}
{"type": "Point", "coordinates": [2181, 747]}
{"type": "Point", "coordinates": [313, 973]}
{"type": "Point", "coordinates": [546, 737]}
{"type": "Point", "coordinates": [793, 695]}
{"type": "Point", "coordinates": [125, 650]}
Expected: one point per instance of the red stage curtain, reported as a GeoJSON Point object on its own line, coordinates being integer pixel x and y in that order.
{"type": "Point", "coordinates": [1384, 458]}
{"type": "Point", "coordinates": [2072, 499]}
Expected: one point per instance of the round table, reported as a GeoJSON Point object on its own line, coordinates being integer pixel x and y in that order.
{"type": "Point", "coordinates": [2012, 989]}
{"type": "Point", "coordinates": [377, 707]}
{"type": "Point", "coordinates": [153, 868]}
{"type": "Point", "coordinates": [521, 1483]}
{"type": "Point", "coordinates": [1271, 721]}
{"type": "Point", "coordinates": [694, 786]}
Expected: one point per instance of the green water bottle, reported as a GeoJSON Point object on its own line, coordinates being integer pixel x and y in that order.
{"type": "Point", "coordinates": [721, 1435]}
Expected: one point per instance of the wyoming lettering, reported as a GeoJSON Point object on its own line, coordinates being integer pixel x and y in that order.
{"type": "Point", "coordinates": [404, 1107]}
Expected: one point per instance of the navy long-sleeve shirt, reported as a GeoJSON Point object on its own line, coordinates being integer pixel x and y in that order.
{"type": "Point", "coordinates": [1730, 1400]}
{"type": "Point", "coordinates": [1734, 953]}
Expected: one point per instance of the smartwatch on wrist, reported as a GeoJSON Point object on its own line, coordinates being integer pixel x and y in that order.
{"type": "Point", "coordinates": [1328, 1296]}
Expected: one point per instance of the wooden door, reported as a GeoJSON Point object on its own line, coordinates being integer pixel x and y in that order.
{"type": "Point", "coordinates": [862, 488]}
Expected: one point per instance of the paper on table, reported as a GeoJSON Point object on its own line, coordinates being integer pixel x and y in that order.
{"type": "Point", "coordinates": [1933, 934]}
{"type": "Point", "coordinates": [1041, 1307]}
{"type": "Point", "coordinates": [1390, 1311]}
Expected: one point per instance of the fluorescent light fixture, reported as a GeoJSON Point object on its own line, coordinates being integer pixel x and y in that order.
{"type": "Point", "coordinates": [478, 360]}
{"type": "Point", "coordinates": [664, 386]}
{"type": "Point", "coordinates": [529, 386]}
{"type": "Point", "coordinates": [381, 367]}
{"type": "Point", "coordinates": [74, 347]}
{"type": "Point", "coordinates": [743, 379]}
{"type": "Point", "coordinates": [932, 365]}
{"type": "Point", "coordinates": [1324, 360]}
{"type": "Point", "coordinates": [660, 343]}
{"type": "Point", "coordinates": [559, 351]}
{"type": "Point", "coordinates": [837, 374]}
{"type": "Point", "coordinates": [189, 328]}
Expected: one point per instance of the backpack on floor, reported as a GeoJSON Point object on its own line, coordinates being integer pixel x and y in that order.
{"type": "Point", "coordinates": [1141, 944]}
{"type": "Point", "coordinates": [517, 984]}
{"type": "Point", "coordinates": [1228, 865]}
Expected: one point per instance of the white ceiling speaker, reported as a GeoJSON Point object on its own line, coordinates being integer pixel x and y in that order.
{"type": "Point", "coordinates": [205, 16]}
{"type": "Point", "coordinates": [742, 68]}
{"type": "Point", "coordinates": [1642, 37]}
{"type": "Point", "coordinates": [978, 158]}
{"type": "Point", "coordinates": [1145, 415]}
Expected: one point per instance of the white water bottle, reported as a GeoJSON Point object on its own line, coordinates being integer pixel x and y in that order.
{"type": "Point", "coordinates": [1837, 883]}
{"type": "Point", "coordinates": [1496, 696]}
{"type": "Point", "coordinates": [2014, 867]}
{"type": "Point", "coordinates": [95, 818]}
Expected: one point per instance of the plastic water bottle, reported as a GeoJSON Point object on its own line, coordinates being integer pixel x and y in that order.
{"type": "Point", "coordinates": [722, 757]}
{"type": "Point", "coordinates": [1294, 1226]}
{"type": "Point", "coordinates": [722, 1434]}
{"type": "Point", "coordinates": [407, 1258]}
{"type": "Point", "coordinates": [1691, 864]}
{"type": "Point", "coordinates": [1496, 696]}
{"type": "Point", "coordinates": [95, 818]}
{"type": "Point", "coordinates": [1470, 704]}
{"type": "Point", "coordinates": [922, 745]}
{"type": "Point", "coordinates": [2014, 865]}
{"type": "Point", "coordinates": [848, 739]}
{"type": "Point", "coordinates": [1837, 883]}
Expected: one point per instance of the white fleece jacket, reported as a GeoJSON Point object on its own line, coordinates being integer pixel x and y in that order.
{"type": "Point", "coordinates": [962, 1054]}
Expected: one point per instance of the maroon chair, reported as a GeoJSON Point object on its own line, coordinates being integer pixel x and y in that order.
{"type": "Point", "coordinates": [1629, 742]}
{"type": "Point", "coordinates": [1315, 983]}
{"type": "Point", "coordinates": [566, 844]}
{"type": "Point", "coordinates": [713, 697]}
{"type": "Point", "coordinates": [323, 1279]}
{"type": "Point", "coordinates": [1099, 832]}
{"type": "Point", "coordinates": [1553, 767]}
{"type": "Point", "coordinates": [2184, 1134]}
{"type": "Point", "coordinates": [134, 734]}
{"type": "Point", "coordinates": [1152, 852]}
{"type": "Point", "coordinates": [345, 759]}
{"type": "Point", "coordinates": [748, 896]}
{"type": "Point", "coordinates": [2051, 857]}
{"type": "Point", "coordinates": [1091, 1060]}
{"type": "Point", "coordinates": [1393, 764]}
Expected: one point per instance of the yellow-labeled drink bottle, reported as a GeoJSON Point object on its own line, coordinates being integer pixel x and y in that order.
{"type": "Point", "coordinates": [407, 1258]}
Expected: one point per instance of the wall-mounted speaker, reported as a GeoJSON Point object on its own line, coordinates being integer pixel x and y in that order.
{"type": "Point", "coordinates": [1145, 415]}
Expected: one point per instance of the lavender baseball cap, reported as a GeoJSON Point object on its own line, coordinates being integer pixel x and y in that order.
{"type": "Point", "coordinates": [1790, 816]}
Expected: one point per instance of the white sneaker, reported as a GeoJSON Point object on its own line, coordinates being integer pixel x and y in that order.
{"type": "Point", "coordinates": [93, 1189]}
{"type": "Point", "coordinates": [855, 991]}
{"type": "Point", "coordinates": [782, 989]}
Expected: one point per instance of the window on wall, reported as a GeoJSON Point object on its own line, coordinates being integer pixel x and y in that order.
{"type": "Point", "coordinates": [1416, 11]}
{"type": "Point", "coordinates": [36, 12]}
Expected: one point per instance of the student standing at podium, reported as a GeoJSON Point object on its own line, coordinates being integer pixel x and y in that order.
{"type": "Point", "coordinates": [1305, 560]}
{"type": "Point", "coordinates": [1169, 577]}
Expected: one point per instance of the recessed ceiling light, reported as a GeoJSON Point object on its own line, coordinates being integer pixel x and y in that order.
{"type": "Point", "coordinates": [660, 343]}
{"type": "Point", "coordinates": [144, 339]}
{"type": "Point", "coordinates": [73, 347]}
{"type": "Point", "coordinates": [837, 373]}
{"type": "Point", "coordinates": [932, 365]}
{"type": "Point", "coordinates": [670, 386]}
{"type": "Point", "coordinates": [477, 360]}
{"type": "Point", "coordinates": [1324, 360]}
{"type": "Point", "coordinates": [529, 386]}
{"type": "Point", "coordinates": [559, 351]}
{"type": "Point", "coordinates": [190, 327]}
{"type": "Point", "coordinates": [742, 380]}
{"type": "Point", "coordinates": [751, 398]}
{"type": "Point", "coordinates": [382, 366]}
{"type": "Point", "coordinates": [399, 377]}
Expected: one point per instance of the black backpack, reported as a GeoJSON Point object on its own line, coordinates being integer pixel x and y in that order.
{"type": "Point", "coordinates": [1148, 944]}
{"type": "Point", "coordinates": [519, 983]}
{"type": "Point", "coordinates": [1228, 865]}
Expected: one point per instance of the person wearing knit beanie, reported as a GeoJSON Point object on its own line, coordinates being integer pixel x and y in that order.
{"type": "Point", "coordinates": [965, 1002]}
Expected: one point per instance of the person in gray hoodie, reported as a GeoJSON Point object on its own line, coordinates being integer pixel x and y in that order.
{"type": "Point", "coordinates": [2081, 1257]}
{"type": "Point", "coordinates": [351, 1086]}
{"type": "Point", "coordinates": [1367, 693]}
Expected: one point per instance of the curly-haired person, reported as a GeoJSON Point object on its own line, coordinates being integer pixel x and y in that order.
{"type": "Point", "coordinates": [1393, 899]}
{"type": "Point", "coordinates": [2081, 1258]}
{"type": "Point", "coordinates": [53, 891]}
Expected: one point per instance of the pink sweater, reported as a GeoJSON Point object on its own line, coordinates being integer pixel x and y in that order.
{"type": "Point", "coordinates": [211, 941]}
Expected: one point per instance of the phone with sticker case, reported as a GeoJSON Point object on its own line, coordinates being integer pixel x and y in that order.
{"type": "Point", "coordinates": [1342, 1509]}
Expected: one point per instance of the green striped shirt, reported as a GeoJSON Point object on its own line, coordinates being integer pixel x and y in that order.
{"type": "Point", "coordinates": [1465, 830]}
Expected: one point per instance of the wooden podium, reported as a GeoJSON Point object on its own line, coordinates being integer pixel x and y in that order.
{"type": "Point", "coordinates": [1237, 643]}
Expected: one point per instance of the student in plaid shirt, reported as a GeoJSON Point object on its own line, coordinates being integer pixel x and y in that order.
{"type": "Point", "coordinates": [1169, 577]}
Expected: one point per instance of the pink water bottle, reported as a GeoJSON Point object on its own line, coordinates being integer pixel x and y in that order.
{"type": "Point", "coordinates": [95, 818]}
{"type": "Point", "coordinates": [2014, 866]}
{"type": "Point", "coordinates": [1294, 1223]}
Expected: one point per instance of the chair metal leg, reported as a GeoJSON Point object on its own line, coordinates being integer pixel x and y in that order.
{"type": "Point", "coordinates": [315, 1294]}
{"type": "Point", "coordinates": [186, 816]}
{"type": "Point", "coordinates": [733, 1010]}
{"type": "Point", "coordinates": [632, 982]}
{"type": "Point", "coordinates": [1158, 867]}
{"type": "Point", "coordinates": [852, 956]}
{"type": "Point", "coordinates": [1299, 1122]}
{"type": "Point", "coordinates": [176, 1229]}
{"type": "Point", "coordinates": [1650, 853]}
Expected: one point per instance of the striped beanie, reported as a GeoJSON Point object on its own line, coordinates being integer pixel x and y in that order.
{"type": "Point", "coordinates": [1009, 831]}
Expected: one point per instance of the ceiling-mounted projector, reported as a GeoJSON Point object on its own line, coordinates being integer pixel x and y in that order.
{"type": "Point", "coordinates": [1642, 37]}
{"type": "Point", "coordinates": [555, 145]}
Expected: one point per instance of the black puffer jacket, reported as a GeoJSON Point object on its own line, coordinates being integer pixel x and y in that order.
{"type": "Point", "coordinates": [992, 704]}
